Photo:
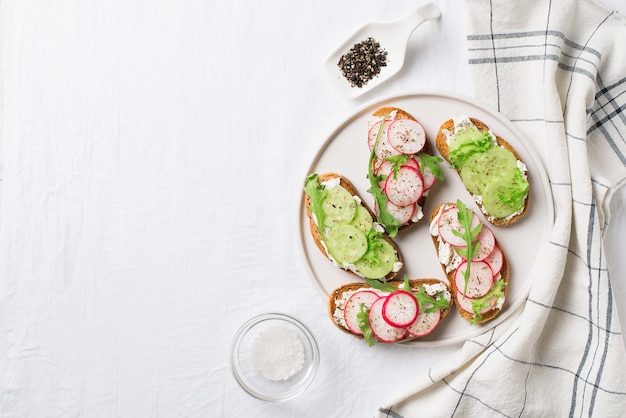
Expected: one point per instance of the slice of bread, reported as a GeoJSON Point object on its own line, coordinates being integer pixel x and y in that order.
{"type": "Point", "coordinates": [339, 296]}
{"type": "Point", "coordinates": [442, 147]}
{"type": "Point", "coordinates": [317, 234]}
{"type": "Point", "coordinates": [504, 274]}
{"type": "Point", "coordinates": [392, 113]}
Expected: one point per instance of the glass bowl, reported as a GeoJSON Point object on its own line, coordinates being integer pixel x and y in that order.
{"type": "Point", "coordinates": [274, 357]}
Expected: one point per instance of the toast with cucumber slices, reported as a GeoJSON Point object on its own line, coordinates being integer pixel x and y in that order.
{"type": "Point", "coordinates": [401, 168]}
{"type": "Point", "coordinates": [491, 169]}
{"type": "Point", "coordinates": [472, 259]}
{"type": "Point", "coordinates": [392, 312]}
{"type": "Point", "coordinates": [344, 229]}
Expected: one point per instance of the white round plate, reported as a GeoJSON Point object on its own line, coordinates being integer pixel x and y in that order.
{"type": "Point", "coordinates": [345, 152]}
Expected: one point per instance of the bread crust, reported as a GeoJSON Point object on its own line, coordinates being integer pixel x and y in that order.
{"type": "Point", "coordinates": [415, 284]}
{"type": "Point", "coordinates": [442, 147]}
{"type": "Point", "coordinates": [317, 235]}
{"type": "Point", "coordinates": [388, 112]}
{"type": "Point", "coordinates": [504, 273]}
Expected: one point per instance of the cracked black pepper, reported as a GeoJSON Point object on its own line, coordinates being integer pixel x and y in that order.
{"type": "Point", "coordinates": [363, 62]}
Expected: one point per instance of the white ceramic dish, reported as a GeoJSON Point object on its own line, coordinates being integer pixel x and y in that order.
{"type": "Point", "coordinates": [393, 36]}
{"type": "Point", "coordinates": [345, 151]}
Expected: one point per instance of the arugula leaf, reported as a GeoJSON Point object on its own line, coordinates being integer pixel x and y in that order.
{"type": "Point", "coordinates": [364, 325]}
{"type": "Point", "coordinates": [397, 161]}
{"type": "Point", "coordinates": [423, 300]}
{"type": "Point", "coordinates": [317, 193]}
{"type": "Point", "coordinates": [430, 162]}
{"type": "Point", "coordinates": [382, 286]}
{"type": "Point", "coordinates": [469, 235]}
{"type": "Point", "coordinates": [438, 302]}
{"type": "Point", "coordinates": [385, 218]}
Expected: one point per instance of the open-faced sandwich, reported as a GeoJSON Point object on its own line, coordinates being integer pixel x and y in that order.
{"type": "Point", "coordinates": [344, 229]}
{"type": "Point", "coordinates": [490, 168]}
{"type": "Point", "coordinates": [472, 260]}
{"type": "Point", "coordinates": [401, 168]}
{"type": "Point", "coordinates": [392, 312]}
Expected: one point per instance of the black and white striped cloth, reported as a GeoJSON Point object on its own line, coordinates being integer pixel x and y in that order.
{"type": "Point", "coordinates": [557, 69]}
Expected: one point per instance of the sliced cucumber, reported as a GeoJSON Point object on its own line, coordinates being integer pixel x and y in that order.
{"type": "Point", "coordinates": [468, 142]}
{"type": "Point", "coordinates": [482, 169]}
{"type": "Point", "coordinates": [346, 243]}
{"type": "Point", "coordinates": [502, 197]}
{"type": "Point", "coordinates": [471, 174]}
{"type": "Point", "coordinates": [469, 134]}
{"type": "Point", "coordinates": [339, 206]}
{"type": "Point", "coordinates": [380, 263]}
{"type": "Point", "coordinates": [498, 161]}
{"type": "Point", "coordinates": [363, 219]}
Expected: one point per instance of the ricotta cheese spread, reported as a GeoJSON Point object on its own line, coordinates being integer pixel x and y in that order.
{"type": "Point", "coordinates": [447, 256]}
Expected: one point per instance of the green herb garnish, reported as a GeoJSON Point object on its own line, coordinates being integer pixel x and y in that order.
{"type": "Point", "coordinates": [396, 162]}
{"type": "Point", "coordinates": [469, 235]}
{"type": "Point", "coordinates": [316, 193]}
{"type": "Point", "coordinates": [364, 325]}
{"type": "Point", "coordinates": [460, 154]}
{"type": "Point", "coordinates": [430, 162]}
{"type": "Point", "coordinates": [438, 302]}
{"type": "Point", "coordinates": [423, 300]}
{"type": "Point", "coordinates": [484, 302]}
{"type": "Point", "coordinates": [374, 244]}
{"type": "Point", "coordinates": [382, 286]}
{"type": "Point", "coordinates": [516, 192]}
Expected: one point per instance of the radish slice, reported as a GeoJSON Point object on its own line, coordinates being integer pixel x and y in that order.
{"type": "Point", "coordinates": [383, 147]}
{"type": "Point", "coordinates": [487, 241]}
{"type": "Point", "coordinates": [400, 309]}
{"type": "Point", "coordinates": [495, 261]}
{"type": "Point", "coordinates": [465, 303]}
{"type": "Point", "coordinates": [407, 136]}
{"type": "Point", "coordinates": [424, 323]}
{"type": "Point", "coordinates": [353, 307]}
{"type": "Point", "coordinates": [381, 329]}
{"type": "Point", "coordinates": [402, 214]}
{"type": "Point", "coordinates": [480, 279]}
{"type": "Point", "coordinates": [413, 162]}
{"type": "Point", "coordinates": [448, 221]}
{"type": "Point", "coordinates": [384, 167]}
{"type": "Point", "coordinates": [427, 175]}
{"type": "Point", "coordinates": [405, 187]}
{"type": "Point", "coordinates": [372, 133]}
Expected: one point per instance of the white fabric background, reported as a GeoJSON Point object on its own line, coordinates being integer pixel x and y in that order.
{"type": "Point", "coordinates": [153, 154]}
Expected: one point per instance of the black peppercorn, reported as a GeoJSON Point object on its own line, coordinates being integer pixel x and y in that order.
{"type": "Point", "coordinates": [362, 62]}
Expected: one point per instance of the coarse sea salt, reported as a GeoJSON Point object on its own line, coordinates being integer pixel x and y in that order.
{"type": "Point", "coordinates": [277, 353]}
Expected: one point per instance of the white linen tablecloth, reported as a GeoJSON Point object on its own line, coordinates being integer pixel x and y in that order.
{"type": "Point", "coordinates": [152, 164]}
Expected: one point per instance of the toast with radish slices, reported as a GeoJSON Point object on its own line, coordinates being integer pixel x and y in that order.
{"type": "Point", "coordinates": [479, 285]}
{"type": "Point", "coordinates": [490, 168]}
{"type": "Point", "coordinates": [401, 169]}
{"type": "Point", "coordinates": [344, 229]}
{"type": "Point", "coordinates": [392, 312]}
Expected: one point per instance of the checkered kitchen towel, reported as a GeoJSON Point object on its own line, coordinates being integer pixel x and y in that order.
{"type": "Point", "coordinates": [557, 69]}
